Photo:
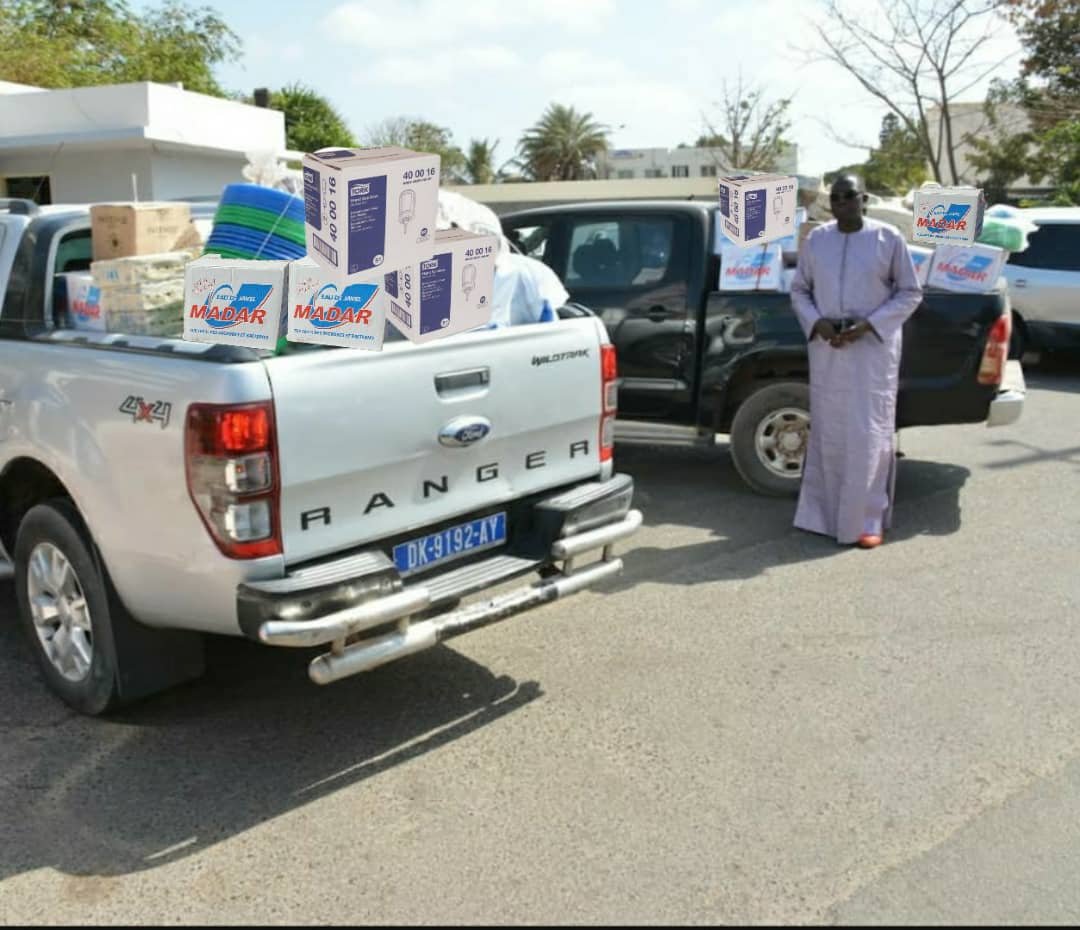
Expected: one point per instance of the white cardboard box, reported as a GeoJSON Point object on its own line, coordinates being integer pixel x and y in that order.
{"type": "Point", "coordinates": [922, 259]}
{"type": "Point", "coordinates": [234, 301]}
{"type": "Point", "coordinates": [448, 292]}
{"type": "Point", "coordinates": [756, 268]}
{"type": "Point", "coordinates": [757, 208]}
{"type": "Point", "coordinates": [945, 215]}
{"type": "Point", "coordinates": [323, 313]}
{"type": "Point", "coordinates": [369, 209]}
{"type": "Point", "coordinates": [84, 302]}
{"type": "Point", "coordinates": [966, 267]}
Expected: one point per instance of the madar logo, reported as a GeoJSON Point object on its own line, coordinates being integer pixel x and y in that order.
{"type": "Point", "coordinates": [945, 218]}
{"type": "Point", "coordinates": [90, 307]}
{"type": "Point", "coordinates": [967, 267]}
{"type": "Point", "coordinates": [224, 308]}
{"type": "Point", "coordinates": [755, 266]}
{"type": "Point", "coordinates": [329, 309]}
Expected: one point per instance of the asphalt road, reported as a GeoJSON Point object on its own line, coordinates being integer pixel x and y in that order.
{"type": "Point", "coordinates": [752, 725]}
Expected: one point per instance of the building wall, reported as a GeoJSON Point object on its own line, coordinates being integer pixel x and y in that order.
{"type": "Point", "coordinates": [686, 163]}
{"type": "Point", "coordinates": [179, 175]}
{"type": "Point", "coordinates": [82, 175]}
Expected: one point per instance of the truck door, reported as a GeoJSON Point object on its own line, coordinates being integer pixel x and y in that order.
{"type": "Point", "coordinates": [632, 271]}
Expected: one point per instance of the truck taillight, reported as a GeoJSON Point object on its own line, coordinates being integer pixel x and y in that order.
{"type": "Point", "coordinates": [609, 400]}
{"type": "Point", "coordinates": [232, 476]}
{"type": "Point", "coordinates": [992, 366]}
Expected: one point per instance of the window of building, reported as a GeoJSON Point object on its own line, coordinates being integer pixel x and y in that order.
{"type": "Point", "coordinates": [680, 171]}
{"type": "Point", "coordinates": [708, 171]}
{"type": "Point", "coordinates": [624, 174]}
{"type": "Point", "coordinates": [654, 173]}
{"type": "Point", "coordinates": [29, 188]}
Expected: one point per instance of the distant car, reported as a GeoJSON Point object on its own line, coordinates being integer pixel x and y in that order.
{"type": "Point", "coordinates": [1044, 282]}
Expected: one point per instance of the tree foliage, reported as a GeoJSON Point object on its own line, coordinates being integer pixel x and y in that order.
{"type": "Point", "coordinates": [420, 136]}
{"type": "Point", "coordinates": [1048, 91]}
{"type": "Point", "coordinates": [311, 122]}
{"type": "Point", "coordinates": [480, 162]}
{"type": "Point", "coordinates": [53, 43]}
{"type": "Point", "coordinates": [563, 145]}
{"type": "Point", "coordinates": [750, 133]}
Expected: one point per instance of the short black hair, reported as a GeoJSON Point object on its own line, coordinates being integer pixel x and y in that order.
{"type": "Point", "coordinates": [848, 179]}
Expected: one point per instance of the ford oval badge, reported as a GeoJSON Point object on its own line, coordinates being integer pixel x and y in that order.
{"type": "Point", "coordinates": [464, 431]}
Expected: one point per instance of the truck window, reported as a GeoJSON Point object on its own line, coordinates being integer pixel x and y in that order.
{"type": "Point", "coordinates": [1056, 247]}
{"type": "Point", "coordinates": [625, 253]}
{"type": "Point", "coordinates": [531, 240]}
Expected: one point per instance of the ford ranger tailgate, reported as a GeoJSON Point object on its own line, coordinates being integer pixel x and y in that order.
{"type": "Point", "coordinates": [377, 444]}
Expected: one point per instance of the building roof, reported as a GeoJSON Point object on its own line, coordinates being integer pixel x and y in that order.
{"type": "Point", "coordinates": [120, 115]}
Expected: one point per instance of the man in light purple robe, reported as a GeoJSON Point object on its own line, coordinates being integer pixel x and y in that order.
{"type": "Point", "coordinates": [854, 288]}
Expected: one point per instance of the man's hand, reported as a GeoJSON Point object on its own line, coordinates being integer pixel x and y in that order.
{"type": "Point", "coordinates": [823, 329]}
{"type": "Point", "coordinates": [856, 332]}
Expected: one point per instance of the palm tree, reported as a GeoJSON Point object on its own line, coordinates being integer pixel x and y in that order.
{"type": "Point", "coordinates": [563, 146]}
{"type": "Point", "coordinates": [480, 161]}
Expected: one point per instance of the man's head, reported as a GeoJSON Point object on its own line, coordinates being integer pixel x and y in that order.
{"type": "Point", "coordinates": [847, 200]}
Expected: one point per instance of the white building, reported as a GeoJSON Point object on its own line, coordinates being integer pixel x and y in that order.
{"type": "Point", "coordinates": [127, 141]}
{"type": "Point", "coordinates": [687, 162]}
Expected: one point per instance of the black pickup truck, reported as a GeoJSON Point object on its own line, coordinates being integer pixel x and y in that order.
{"type": "Point", "coordinates": [695, 362]}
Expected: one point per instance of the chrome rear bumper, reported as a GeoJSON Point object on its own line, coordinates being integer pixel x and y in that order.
{"type": "Point", "coordinates": [378, 597]}
{"type": "Point", "coordinates": [1008, 405]}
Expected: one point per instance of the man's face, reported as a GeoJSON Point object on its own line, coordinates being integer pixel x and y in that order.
{"type": "Point", "coordinates": [846, 200]}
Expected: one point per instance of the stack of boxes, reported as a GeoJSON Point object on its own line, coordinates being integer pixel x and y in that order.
{"type": "Point", "coordinates": [373, 254]}
{"type": "Point", "coordinates": [759, 232]}
{"type": "Point", "coordinates": [135, 284]}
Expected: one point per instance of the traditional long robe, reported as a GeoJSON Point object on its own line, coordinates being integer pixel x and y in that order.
{"type": "Point", "coordinates": [848, 473]}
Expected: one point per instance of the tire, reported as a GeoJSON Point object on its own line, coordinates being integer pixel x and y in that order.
{"type": "Point", "coordinates": [81, 671]}
{"type": "Point", "coordinates": [769, 435]}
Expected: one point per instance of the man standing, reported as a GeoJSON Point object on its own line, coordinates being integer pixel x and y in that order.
{"type": "Point", "coordinates": [854, 288]}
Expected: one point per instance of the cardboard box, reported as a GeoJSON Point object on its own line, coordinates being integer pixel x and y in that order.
{"type": "Point", "coordinates": [84, 307]}
{"type": "Point", "coordinates": [448, 292]}
{"type": "Point", "coordinates": [235, 301]}
{"type": "Point", "coordinates": [121, 229]}
{"type": "Point", "coordinates": [136, 270]}
{"type": "Point", "coordinates": [756, 268]}
{"type": "Point", "coordinates": [369, 209]}
{"type": "Point", "coordinates": [972, 268]}
{"type": "Point", "coordinates": [921, 258]}
{"type": "Point", "coordinates": [323, 313]}
{"type": "Point", "coordinates": [946, 214]}
{"type": "Point", "coordinates": [757, 208]}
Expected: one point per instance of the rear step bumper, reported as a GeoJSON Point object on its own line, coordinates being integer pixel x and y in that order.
{"type": "Point", "coordinates": [1008, 405]}
{"type": "Point", "coordinates": [378, 597]}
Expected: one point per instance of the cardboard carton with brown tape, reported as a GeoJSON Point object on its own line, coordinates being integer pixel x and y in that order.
{"type": "Point", "coordinates": [118, 230]}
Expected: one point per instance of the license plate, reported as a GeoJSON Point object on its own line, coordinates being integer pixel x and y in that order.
{"type": "Point", "coordinates": [451, 543]}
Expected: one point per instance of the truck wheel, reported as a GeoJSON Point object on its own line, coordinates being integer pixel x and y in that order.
{"type": "Point", "coordinates": [65, 608]}
{"type": "Point", "coordinates": [769, 437]}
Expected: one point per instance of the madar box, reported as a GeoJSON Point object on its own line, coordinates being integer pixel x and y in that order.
{"type": "Point", "coordinates": [235, 301]}
{"type": "Point", "coordinates": [324, 313]}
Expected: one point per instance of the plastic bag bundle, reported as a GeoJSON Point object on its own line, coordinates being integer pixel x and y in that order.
{"type": "Point", "coordinates": [1007, 228]}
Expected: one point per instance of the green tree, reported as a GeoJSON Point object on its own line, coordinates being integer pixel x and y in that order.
{"type": "Point", "coordinates": [895, 166]}
{"type": "Point", "coordinates": [52, 43]}
{"type": "Point", "coordinates": [311, 122]}
{"type": "Point", "coordinates": [420, 136]}
{"type": "Point", "coordinates": [480, 161]}
{"type": "Point", "coordinates": [1049, 92]}
{"type": "Point", "coordinates": [562, 146]}
{"type": "Point", "coordinates": [898, 163]}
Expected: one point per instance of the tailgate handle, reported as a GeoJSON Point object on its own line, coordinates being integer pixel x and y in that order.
{"type": "Point", "coordinates": [453, 381]}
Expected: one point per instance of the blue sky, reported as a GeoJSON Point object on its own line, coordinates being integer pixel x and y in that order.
{"type": "Point", "coordinates": [487, 69]}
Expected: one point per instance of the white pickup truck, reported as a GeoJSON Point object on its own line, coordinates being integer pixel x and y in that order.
{"type": "Point", "coordinates": [152, 490]}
